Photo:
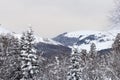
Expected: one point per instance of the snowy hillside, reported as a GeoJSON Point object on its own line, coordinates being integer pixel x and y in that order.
{"type": "Point", "coordinates": [80, 39]}
{"type": "Point", "coordinates": [37, 38]}
{"type": "Point", "coordinates": [83, 39]}
{"type": "Point", "coordinates": [46, 40]}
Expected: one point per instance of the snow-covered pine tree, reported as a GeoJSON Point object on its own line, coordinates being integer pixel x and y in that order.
{"type": "Point", "coordinates": [29, 58]}
{"type": "Point", "coordinates": [14, 52]}
{"type": "Point", "coordinates": [9, 58]}
{"type": "Point", "coordinates": [84, 56]}
{"type": "Point", "coordinates": [116, 45]}
{"type": "Point", "coordinates": [64, 62]}
{"type": "Point", "coordinates": [92, 65]}
{"type": "Point", "coordinates": [55, 69]}
{"type": "Point", "coordinates": [93, 52]}
{"type": "Point", "coordinates": [41, 68]}
{"type": "Point", "coordinates": [104, 70]}
{"type": "Point", "coordinates": [116, 57]}
{"type": "Point", "coordinates": [74, 71]}
{"type": "Point", "coordinates": [84, 64]}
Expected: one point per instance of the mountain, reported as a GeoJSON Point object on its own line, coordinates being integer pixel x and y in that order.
{"type": "Point", "coordinates": [50, 50]}
{"type": "Point", "coordinates": [37, 38]}
{"type": "Point", "coordinates": [62, 44]}
{"type": "Point", "coordinates": [47, 46]}
{"type": "Point", "coordinates": [83, 39]}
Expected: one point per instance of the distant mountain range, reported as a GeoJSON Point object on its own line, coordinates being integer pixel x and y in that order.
{"type": "Point", "coordinates": [48, 47]}
{"type": "Point", "coordinates": [83, 39]}
{"type": "Point", "coordinates": [62, 44]}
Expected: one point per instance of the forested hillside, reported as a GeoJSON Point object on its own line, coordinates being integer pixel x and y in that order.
{"type": "Point", "coordinates": [20, 59]}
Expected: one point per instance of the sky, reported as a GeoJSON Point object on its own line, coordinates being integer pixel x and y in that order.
{"type": "Point", "coordinates": [49, 18]}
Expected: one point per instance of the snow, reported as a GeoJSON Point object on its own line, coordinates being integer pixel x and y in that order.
{"type": "Point", "coordinates": [78, 33]}
{"type": "Point", "coordinates": [46, 40]}
{"type": "Point", "coordinates": [3, 30]}
{"type": "Point", "coordinates": [107, 37]}
{"type": "Point", "coordinates": [39, 39]}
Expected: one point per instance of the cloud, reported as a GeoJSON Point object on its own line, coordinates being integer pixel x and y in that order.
{"type": "Point", "coordinates": [54, 16]}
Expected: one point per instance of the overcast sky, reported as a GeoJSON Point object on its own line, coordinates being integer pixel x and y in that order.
{"type": "Point", "coordinates": [52, 17]}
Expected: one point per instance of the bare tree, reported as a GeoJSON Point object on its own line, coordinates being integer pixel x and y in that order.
{"type": "Point", "coordinates": [115, 15]}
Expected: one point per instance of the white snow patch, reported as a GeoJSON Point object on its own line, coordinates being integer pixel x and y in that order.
{"type": "Point", "coordinates": [104, 39]}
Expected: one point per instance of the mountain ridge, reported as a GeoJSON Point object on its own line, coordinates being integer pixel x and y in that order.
{"type": "Point", "coordinates": [45, 46]}
{"type": "Point", "coordinates": [83, 39]}
{"type": "Point", "coordinates": [80, 39]}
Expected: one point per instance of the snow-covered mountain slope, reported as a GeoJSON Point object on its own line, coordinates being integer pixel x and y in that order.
{"type": "Point", "coordinates": [37, 38]}
{"type": "Point", "coordinates": [40, 39]}
{"type": "Point", "coordinates": [83, 39]}
{"type": "Point", "coordinates": [46, 40]}
{"type": "Point", "coordinates": [48, 47]}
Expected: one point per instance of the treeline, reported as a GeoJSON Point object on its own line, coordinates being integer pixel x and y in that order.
{"type": "Point", "coordinates": [19, 60]}
{"type": "Point", "coordinates": [18, 57]}
{"type": "Point", "coordinates": [93, 65]}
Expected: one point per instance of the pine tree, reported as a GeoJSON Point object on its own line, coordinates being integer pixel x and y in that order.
{"type": "Point", "coordinates": [55, 69]}
{"type": "Point", "coordinates": [92, 64]}
{"type": "Point", "coordinates": [93, 52]}
{"type": "Point", "coordinates": [28, 55]}
{"type": "Point", "coordinates": [116, 48]}
{"type": "Point", "coordinates": [116, 57]}
{"type": "Point", "coordinates": [84, 64]}
{"type": "Point", "coordinates": [74, 72]}
{"type": "Point", "coordinates": [9, 58]}
{"type": "Point", "coordinates": [41, 68]}
{"type": "Point", "coordinates": [84, 55]}
{"type": "Point", "coordinates": [116, 44]}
